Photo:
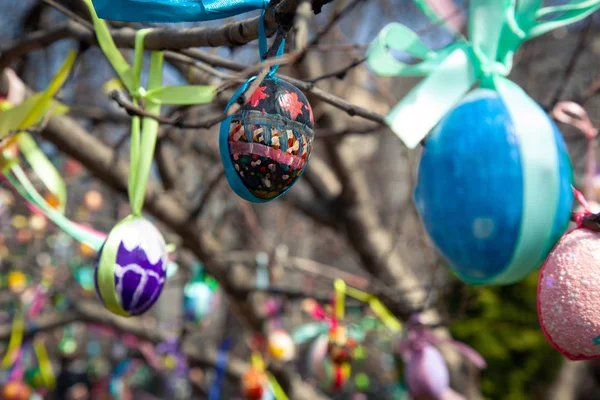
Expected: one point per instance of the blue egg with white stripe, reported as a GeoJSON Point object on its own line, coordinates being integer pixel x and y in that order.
{"type": "Point", "coordinates": [494, 187]}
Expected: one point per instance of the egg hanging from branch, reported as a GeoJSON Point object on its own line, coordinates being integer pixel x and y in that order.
{"type": "Point", "coordinates": [281, 346]}
{"type": "Point", "coordinates": [568, 301]}
{"type": "Point", "coordinates": [200, 298]}
{"type": "Point", "coordinates": [494, 187]}
{"type": "Point", "coordinates": [266, 145]}
{"type": "Point", "coordinates": [131, 268]}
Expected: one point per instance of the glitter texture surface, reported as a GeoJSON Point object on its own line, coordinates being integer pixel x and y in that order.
{"type": "Point", "coordinates": [569, 295]}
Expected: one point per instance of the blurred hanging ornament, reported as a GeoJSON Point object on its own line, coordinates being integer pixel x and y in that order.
{"type": "Point", "coordinates": [254, 383]}
{"type": "Point", "coordinates": [73, 167]}
{"type": "Point", "coordinates": [281, 346]}
{"type": "Point", "coordinates": [16, 390]}
{"type": "Point", "coordinates": [340, 347]}
{"type": "Point", "coordinates": [200, 297]}
{"type": "Point", "coordinates": [425, 370]}
{"type": "Point", "coordinates": [131, 267]}
{"type": "Point", "coordinates": [567, 307]}
{"type": "Point", "coordinates": [329, 376]}
{"type": "Point", "coordinates": [93, 200]}
{"type": "Point", "coordinates": [17, 281]}
{"type": "Point", "coordinates": [38, 222]}
{"type": "Point", "coordinates": [493, 186]}
{"type": "Point", "coordinates": [265, 146]}
{"type": "Point", "coordinates": [494, 212]}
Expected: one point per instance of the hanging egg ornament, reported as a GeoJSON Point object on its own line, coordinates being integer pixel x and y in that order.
{"type": "Point", "coordinates": [494, 187]}
{"type": "Point", "coordinates": [426, 373]}
{"type": "Point", "coordinates": [568, 309]}
{"type": "Point", "coordinates": [131, 267]}
{"type": "Point", "coordinates": [200, 297]}
{"type": "Point", "coordinates": [340, 347]}
{"type": "Point", "coordinates": [330, 376]}
{"type": "Point", "coordinates": [254, 384]}
{"type": "Point", "coordinates": [281, 345]}
{"type": "Point", "coordinates": [265, 146]}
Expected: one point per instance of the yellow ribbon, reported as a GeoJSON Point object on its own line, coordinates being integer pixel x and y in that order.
{"type": "Point", "coordinates": [378, 308]}
{"type": "Point", "coordinates": [16, 337]}
{"type": "Point", "coordinates": [340, 294]}
{"type": "Point", "coordinates": [44, 363]}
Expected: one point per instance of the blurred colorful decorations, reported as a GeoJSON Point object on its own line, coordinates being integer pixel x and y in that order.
{"type": "Point", "coordinates": [68, 344]}
{"type": "Point", "coordinates": [509, 199]}
{"type": "Point", "coordinates": [220, 369]}
{"type": "Point", "coordinates": [131, 267]}
{"type": "Point", "coordinates": [200, 297]}
{"type": "Point", "coordinates": [281, 346]}
{"type": "Point", "coordinates": [254, 383]}
{"type": "Point", "coordinates": [336, 346]}
{"type": "Point", "coordinates": [425, 370]}
{"type": "Point", "coordinates": [25, 115]}
{"type": "Point", "coordinates": [17, 281]}
{"type": "Point", "coordinates": [16, 390]}
{"type": "Point", "coordinates": [567, 308]}
{"type": "Point", "coordinates": [93, 200]}
{"type": "Point", "coordinates": [266, 145]}
{"type": "Point", "coordinates": [173, 10]}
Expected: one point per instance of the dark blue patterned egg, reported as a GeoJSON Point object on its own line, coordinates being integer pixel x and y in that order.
{"type": "Point", "coordinates": [265, 146]}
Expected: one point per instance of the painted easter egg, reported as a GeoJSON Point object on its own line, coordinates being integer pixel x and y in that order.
{"type": "Point", "coordinates": [131, 268]}
{"type": "Point", "coordinates": [330, 376]}
{"type": "Point", "coordinates": [16, 390]}
{"type": "Point", "coordinates": [281, 346]}
{"type": "Point", "coordinates": [568, 301]}
{"type": "Point", "coordinates": [426, 373]}
{"type": "Point", "coordinates": [340, 347]}
{"type": "Point", "coordinates": [254, 384]}
{"type": "Point", "coordinates": [266, 145]}
{"type": "Point", "coordinates": [200, 297]}
{"type": "Point", "coordinates": [494, 187]}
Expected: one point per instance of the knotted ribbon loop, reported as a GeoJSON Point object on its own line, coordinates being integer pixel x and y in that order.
{"type": "Point", "coordinates": [497, 29]}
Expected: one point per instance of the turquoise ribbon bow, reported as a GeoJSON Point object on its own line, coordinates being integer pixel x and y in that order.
{"type": "Point", "coordinates": [497, 29]}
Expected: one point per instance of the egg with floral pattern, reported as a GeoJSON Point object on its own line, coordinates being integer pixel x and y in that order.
{"type": "Point", "coordinates": [135, 253]}
{"type": "Point", "coordinates": [266, 145]}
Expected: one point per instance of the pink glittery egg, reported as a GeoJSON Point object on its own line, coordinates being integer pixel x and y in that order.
{"type": "Point", "coordinates": [569, 295]}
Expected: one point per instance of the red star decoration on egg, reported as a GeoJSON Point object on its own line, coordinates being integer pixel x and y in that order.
{"type": "Point", "coordinates": [309, 108]}
{"type": "Point", "coordinates": [258, 95]}
{"type": "Point", "coordinates": [289, 102]}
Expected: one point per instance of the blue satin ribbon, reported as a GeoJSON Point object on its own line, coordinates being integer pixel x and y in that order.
{"type": "Point", "coordinates": [174, 10]}
{"type": "Point", "coordinates": [221, 365]}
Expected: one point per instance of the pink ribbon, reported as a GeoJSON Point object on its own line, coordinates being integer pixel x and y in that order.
{"type": "Point", "coordinates": [575, 115]}
{"type": "Point", "coordinates": [578, 217]}
{"type": "Point", "coordinates": [449, 12]}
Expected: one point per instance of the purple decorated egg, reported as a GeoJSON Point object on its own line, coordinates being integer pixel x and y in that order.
{"type": "Point", "coordinates": [139, 267]}
{"type": "Point", "coordinates": [266, 145]}
{"type": "Point", "coordinates": [426, 373]}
